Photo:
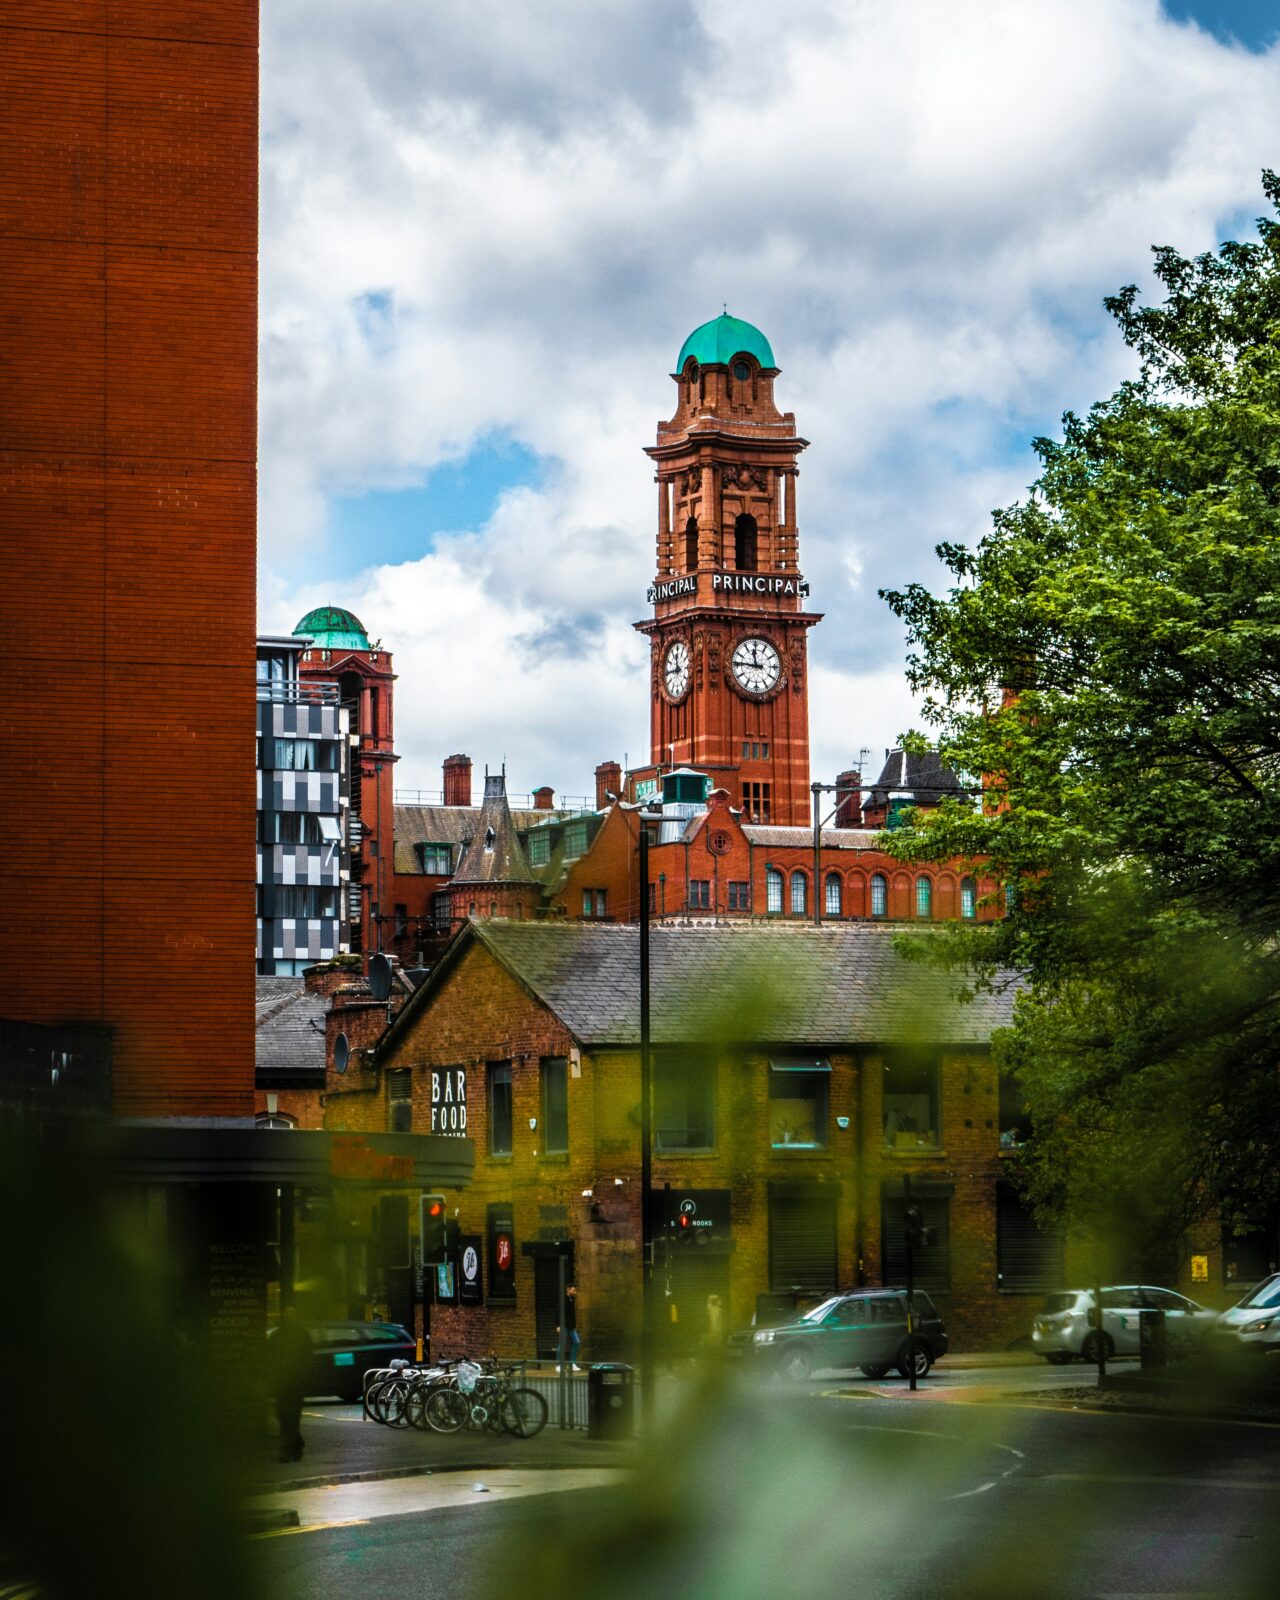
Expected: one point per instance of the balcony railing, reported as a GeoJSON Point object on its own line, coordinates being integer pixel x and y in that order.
{"type": "Point", "coordinates": [311, 693]}
{"type": "Point", "coordinates": [517, 802]}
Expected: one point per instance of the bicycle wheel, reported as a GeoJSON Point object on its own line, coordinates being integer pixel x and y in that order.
{"type": "Point", "coordinates": [415, 1404]}
{"type": "Point", "coordinates": [388, 1404]}
{"type": "Point", "coordinates": [524, 1413]}
{"type": "Point", "coordinates": [446, 1410]}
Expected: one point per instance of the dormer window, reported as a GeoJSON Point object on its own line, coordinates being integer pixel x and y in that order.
{"type": "Point", "coordinates": [488, 841]}
{"type": "Point", "coordinates": [741, 371]}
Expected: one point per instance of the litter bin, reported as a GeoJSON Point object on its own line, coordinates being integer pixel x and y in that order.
{"type": "Point", "coordinates": [1152, 1344]}
{"type": "Point", "coordinates": [611, 1394]}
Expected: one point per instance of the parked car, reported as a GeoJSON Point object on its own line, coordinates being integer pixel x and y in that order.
{"type": "Point", "coordinates": [342, 1352]}
{"type": "Point", "coordinates": [867, 1329]}
{"type": "Point", "coordinates": [1252, 1324]}
{"type": "Point", "coordinates": [1064, 1328]}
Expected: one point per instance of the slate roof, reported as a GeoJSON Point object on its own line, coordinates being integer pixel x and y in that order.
{"type": "Point", "coordinates": [415, 825]}
{"type": "Point", "coordinates": [289, 1037]}
{"type": "Point", "coordinates": [494, 854]}
{"type": "Point", "coordinates": [791, 838]}
{"type": "Point", "coordinates": [926, 779]}
{"type": "Point", "coordinates": [772, 984]}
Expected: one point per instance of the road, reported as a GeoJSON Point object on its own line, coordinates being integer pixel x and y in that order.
{"type": "Point", "coordinates": [837, 1489]}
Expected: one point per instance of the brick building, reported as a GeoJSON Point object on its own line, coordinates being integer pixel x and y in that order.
{"type": "Point", "coordinates": [799, 1074]}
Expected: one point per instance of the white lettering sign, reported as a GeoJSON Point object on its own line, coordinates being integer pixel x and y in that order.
{"type": "Point", "coordinates": [449, 1101]}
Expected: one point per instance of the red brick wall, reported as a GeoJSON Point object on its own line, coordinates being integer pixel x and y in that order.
{"type": "Point", "coordinates": [128, 275]}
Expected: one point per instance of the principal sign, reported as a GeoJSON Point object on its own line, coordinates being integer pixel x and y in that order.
{"type": "Point", "coordinates": [755, 583]}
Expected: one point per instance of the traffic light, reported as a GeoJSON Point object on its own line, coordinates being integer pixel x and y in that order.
{"type": "Point", "coordinates": [433, 1227]}
{"type": "Point", "coordinates": [914, 1226]}
{"type": "Point", "coordinates": [684, 1227]}
{"type": "Point", "coordinates": [452, 1235]}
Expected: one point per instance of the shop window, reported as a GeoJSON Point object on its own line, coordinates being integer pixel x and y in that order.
{"type": "Point", "coordinates": [931, 1262]}
{"type": "Point", "coordinates": [1015, 1120]}
{"type": "Point", "coordinates": [834, 895]}
{"type": "Point", "coordinates": [924, 897]}
{"type": "Point", "coordinates": [968, 898]}
{"type": "Point", "coordinates": [799, 1094]}
{"type": "Point", "coordinates": [700, 894]}
{"type": "Point", "coordinates": [684, 1103]}
{"type": "Point", "coordinates": [739, 895]}
{"type": "Point", "coordinates": [555, 1105]}
{"type": "Point", "coordinates": [911, 1100]}
{"type": "Point", "coordinates": [499, 1085]}
{"type": "Point", "coordinates": [879, 895]}
{"type": "Point", "coordinates": [773, 886]}
{"type": "Point", "coordinates": [400, 1100]}
{"type": "Point", "coordinates": [799, 894]}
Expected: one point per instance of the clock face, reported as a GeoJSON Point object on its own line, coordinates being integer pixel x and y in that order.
{"type": "Point", "coordinates": [756, 666]}
{"type": "Point", "coordinates": [675, 669]}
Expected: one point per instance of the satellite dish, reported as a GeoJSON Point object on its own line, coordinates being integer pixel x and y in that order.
{"type": "Point", "coordinates": [379, 977]}
{"type": "Point", "coordinates": [341, 1053]}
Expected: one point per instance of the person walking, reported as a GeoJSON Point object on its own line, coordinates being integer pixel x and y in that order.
{"type": "Point", "coordinates": [291, 1360]}
{"type": "Point", "coordinates": [572, 1341]}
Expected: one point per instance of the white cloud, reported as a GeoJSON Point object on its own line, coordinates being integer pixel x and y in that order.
{"type": "Point", "coordinates": [479, 217]}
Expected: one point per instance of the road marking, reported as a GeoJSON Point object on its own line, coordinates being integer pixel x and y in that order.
{"type": "Point", "coordinates": [981, 1489]}
{"type": "Point", "coordinates": [1163, 1479]}
{"type": "Point", "coordinates": [313, 1527]}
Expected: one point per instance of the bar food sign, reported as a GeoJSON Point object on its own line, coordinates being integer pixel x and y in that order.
{"type": "Point", "coordinates": [449, 1101]}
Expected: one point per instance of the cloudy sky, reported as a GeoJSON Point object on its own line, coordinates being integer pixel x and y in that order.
{"type": "Point", "coordinates": [487, 227]}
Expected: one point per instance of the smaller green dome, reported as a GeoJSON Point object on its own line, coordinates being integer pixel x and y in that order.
{"type": "Point", "coordinates": [716, 343]}
{"type": "Point", "coordinates": [332, 628]}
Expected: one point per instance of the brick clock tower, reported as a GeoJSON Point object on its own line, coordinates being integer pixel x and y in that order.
{"type": "Point", "coordinates": [729, 691]}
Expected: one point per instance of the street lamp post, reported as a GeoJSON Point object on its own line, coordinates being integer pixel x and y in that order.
{"type": "Point", "coordinates": [646, 1145]}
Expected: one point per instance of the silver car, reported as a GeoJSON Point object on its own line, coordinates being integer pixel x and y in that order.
{"type": "Point", "coordinates": [1064, 1328]}
{"type": "Point", "coordinates": [1254, 1322]}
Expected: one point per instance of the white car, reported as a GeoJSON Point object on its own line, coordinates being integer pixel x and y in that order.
{"type": "Point", "coordinates": [1064, 1328]}
{"type": "Point", "coordinates": [1254, 1322]}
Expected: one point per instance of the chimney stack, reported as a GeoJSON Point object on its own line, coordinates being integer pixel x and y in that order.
{"type": "Point", "coordinates": [544, 799]}
{"type": "Point", "coordinates": [849, 799]}
{"type": "Point", "coordinates": [457, 780]}
{"type": "Point", "coordinates": [608, 781]}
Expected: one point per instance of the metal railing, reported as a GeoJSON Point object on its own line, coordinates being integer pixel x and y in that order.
{"type": "Point", "coordinates": [311, 692]}
{"type": "Point", "coordinates": [571, 803]}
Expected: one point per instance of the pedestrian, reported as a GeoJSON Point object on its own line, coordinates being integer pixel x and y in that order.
{"type": "Point", "coordinates": [572, 1342]}
{"type": "Point", "coordinates": [713, 1335]}
{"type": "Point", "coordinates": [291, 1361]}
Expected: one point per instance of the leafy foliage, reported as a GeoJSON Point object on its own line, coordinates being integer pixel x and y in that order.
{"type": "Point", "coordinates": [1110, 653]}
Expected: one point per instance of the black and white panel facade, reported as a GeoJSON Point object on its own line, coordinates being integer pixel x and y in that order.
{"type": "Point", "coordinates": [303, 816]}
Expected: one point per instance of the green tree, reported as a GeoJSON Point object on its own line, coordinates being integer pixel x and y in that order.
{"type": "Point", "coordinates": [1110, 653]}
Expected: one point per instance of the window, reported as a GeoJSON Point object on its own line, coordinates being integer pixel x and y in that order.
{"type": "Point", "coordinates": [303, 901]}
{"type": "Point", "coordinates": [499, 1080]}
{"type": "Point", "coordinates": [555, 1106]}
{"type": "Point", "coordinates": [739, 896]}
{"type": "Point", "coordinates": [1015, 1121]}
{"type": "Point", "coordinates": [691, 545]}
{"type": "Point", "coordinates": [746, 749]}
{"type": "Point", "coordinates": [833, 904]}
{"type": "Point", "coordinates": [306, 755]}
{"type": "Point", "coordinates": [924, 897]}
{"type": "Point", "coordinates": [745, 543]}
{"type": "Point", "coordinates": [931, 1263]}
{"type": "Point", "coordinates": [968, 898]}
{"type": "Point", "coordinates": [437, 859]}
{"type": "Point", "coordinates": [755, 801]}
{"type": "Point", "coordinates": [268, 1119]}
{"type": "Point", "coordinates": [798, 1097]}
{"type": "Point", "coordinates": [1028, 1257]}
{"type": "Point", "coordinates": [539, 842]}
{"type": "Point", "coordinates": [700, 894]}
{"type": "Point", "coordinates": [400, 1100]}
{"type": "Point", "coordinates": [879, 895]}
{"type": "Point", "coordinates": [911, 1100]}
{"type": "Point", "coordinates": [575, 840]}
{"type": "Point", "coordinates": [402, 921]}
{"type": "Point", "coordinates": [684, 1103]}
{"type": "Point", "coordinates": [594, 902]}
{"type": "Point", "coordinates": [773, 891]}
{"type": "Point", "coordinates": [799, 894]}
{"type": "Point", "coordinates": [489, 837]}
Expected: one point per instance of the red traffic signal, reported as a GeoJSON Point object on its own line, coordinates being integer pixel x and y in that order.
{"type": "Point", "coordinates": [433, 1227]}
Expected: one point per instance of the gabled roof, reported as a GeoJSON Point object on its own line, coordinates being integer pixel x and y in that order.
{"type": "Point", "coordinates": [494, 853]}
{"type": "Point", "coordinates": [454, 825]}
{"type": "Point", "coordinates": [926, 778]}
{"type": "Point", "coordinates": [772, 984]}
{"type": "Point", "coordinates": [289, 1036]}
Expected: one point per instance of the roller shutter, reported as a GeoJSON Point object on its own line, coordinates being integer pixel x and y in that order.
{"type": "Point", "coordinates": [802, 1240]}
{"type": "Point", "coordinates": [1028, 1258]}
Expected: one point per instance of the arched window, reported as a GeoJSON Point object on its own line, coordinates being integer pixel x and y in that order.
{"type": "Point", "coordinates": [691, 545]}
{"type": "Point", "coordinates": [273, 1119]}
{"type": "Point", "coordinates": [799, 894]}
{"type": "Point", "coordinates": [773, 890]}
{"type": "Point", "coordinates": [471, 909]}
{"type": "Point", "coordinates": [879, 895]}
{"type": "Point", "coordinates": [924, 897]}
{"type": "Point", "coordinates": [968, 898]}
{"type": "Point", "coordinates": [833, 905]}
{"type": "Point", "coordinates": [745, 543]}
{"type": "Point", "coordinates": [493, 908]}
{"type": "Point", "coordinates": [488, 841]}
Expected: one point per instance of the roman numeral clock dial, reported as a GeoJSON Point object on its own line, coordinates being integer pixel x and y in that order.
{"type": "Point", "coordinates": [675, 670]}
{"type": "Point", "coordinates": [756, 666]}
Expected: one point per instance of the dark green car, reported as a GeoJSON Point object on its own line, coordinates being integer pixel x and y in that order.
{"type": "Point", "coordinates": [867, 1329]}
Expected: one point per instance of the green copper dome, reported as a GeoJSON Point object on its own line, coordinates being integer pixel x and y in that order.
{"type": "Point", "coordinates": [716, 343]}
{"type": "Point", "coordinates": [332, 628]}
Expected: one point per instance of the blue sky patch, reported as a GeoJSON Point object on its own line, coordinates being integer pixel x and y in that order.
{"type": "Point", "coordinates": [384, 526]}
{"type": "Point", "coordinates": [1254, 23]}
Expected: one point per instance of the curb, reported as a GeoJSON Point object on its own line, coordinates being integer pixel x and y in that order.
{"type": "Point", "coordinates": [378, 1475]}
